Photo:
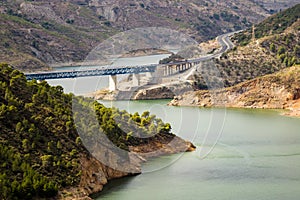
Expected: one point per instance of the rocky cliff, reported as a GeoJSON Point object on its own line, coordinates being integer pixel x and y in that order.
{"type": "Point", "coordinates": [95, 175]}
{"type": "Point", "coordinates": [276, 91]}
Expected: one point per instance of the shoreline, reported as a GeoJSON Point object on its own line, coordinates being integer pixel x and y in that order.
{"type": "Point", "coordinates": [96, 175]}
{"type": "Point", "coordinates": [284, 111]}
{"type": "Point", "coordinates": [275, 91]}
{"type": "Point", "coordinates": [280, 111]}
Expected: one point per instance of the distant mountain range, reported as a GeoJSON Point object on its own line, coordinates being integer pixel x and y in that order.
{"type": "Point", "coordinates": [36, 34]}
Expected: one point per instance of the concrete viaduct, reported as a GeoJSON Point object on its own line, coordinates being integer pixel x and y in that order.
{"type": "Point", "coordinates": [162, 70]}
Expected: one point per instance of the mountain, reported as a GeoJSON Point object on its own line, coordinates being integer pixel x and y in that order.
{"type": "Point", "coordinates": [276, 45]}
{"type": "Point", "coordinates": [56, 145]}
{"type": "Point", "coordinates": [262, 71]}
{"type": "Point", "coordinates": [37, 34]}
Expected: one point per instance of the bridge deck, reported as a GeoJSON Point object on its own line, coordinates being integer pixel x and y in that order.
{"type": "Point", "coordinates": [91, 72]}
{"type": "Point", "coordinates": [108, 71]}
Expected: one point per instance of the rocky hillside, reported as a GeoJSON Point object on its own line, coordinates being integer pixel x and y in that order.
{"type": "Point", "coordinates": [275, 24]}
{"type": "Point", "coordinates": [242, 71]}
{"type": "Point", "coordinates": [36, 34]}
{"type": "Point", "coordinates": [276, 5]}
{"type": "Point", "coordinates": [276, 91]}
{"type": "Point", "coordinates": [56, 145]}
{"type": "Point", "coordinates": [276, 45]}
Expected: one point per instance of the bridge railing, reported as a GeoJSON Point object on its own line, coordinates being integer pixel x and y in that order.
{"type": "Point", "coordinates": [91, 72]}
{"type": "Point", "coordinates": [105, 71]}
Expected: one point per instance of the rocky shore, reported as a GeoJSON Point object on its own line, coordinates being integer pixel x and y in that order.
{"type": "Point", "coordinates": [160, 91]}
{"type": "Point", "coordinates": [276, 91]}
{"type": "Point", "coordinates": [96, 174]}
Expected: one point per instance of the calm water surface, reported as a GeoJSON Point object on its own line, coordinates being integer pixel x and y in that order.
{"type": "Point", "coordinates": [241, 154]}
{"type": "Point", "coordinates": [257, 156]}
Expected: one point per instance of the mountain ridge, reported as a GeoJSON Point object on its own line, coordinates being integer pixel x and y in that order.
{"type": "Point", "coordinates": [37, 34]}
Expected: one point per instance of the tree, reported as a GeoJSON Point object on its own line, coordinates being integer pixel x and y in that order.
{"type": "Point", "coordinates": [58, 145]}
{"type": "Point", "coordinates": [19, 127]}
{"type": "Point", "coordinates": [25, 144]}
{"type": "Point", "coordinates": [146, 114]}
{"type": "Point", "coordinates": [144, 122]}
{"type": "Point", "coordinates": [272, 47]}
{"type": "Point", "coordinates": [281, 50]}
{"type": "Point", "coordinates": [46, 160]}
{"type": "Point", "coordinates": [216, 16]}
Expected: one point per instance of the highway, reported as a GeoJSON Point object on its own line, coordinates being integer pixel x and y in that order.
{"type": "Point", "coordinates": [225, 43]}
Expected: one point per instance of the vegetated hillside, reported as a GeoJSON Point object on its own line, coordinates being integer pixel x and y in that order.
{"type": "Point", "coordinates": [274, 6]}
{"type": "Point", "coordinates": [275, 24]}
{"type": "Point", "coordinates": [274, 49]}
{"type": "Point", "coordinates": [42, 132]}
{"type": "Point", "coordinates": [36, 34]}
{"type": "Point", "coordinates": [280, 90]}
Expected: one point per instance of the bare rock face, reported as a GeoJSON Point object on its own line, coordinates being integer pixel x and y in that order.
{"type": "Point", "coordinates": [168, 91]}
{"type": "Point", "coordinates": [165, 147]}
{"type": "Point", "coordinates": [296, 94]}
{"type": "Point", "coordinates": [155, 93]}
{"type": "Point", "coordinates": [109, 10]}
{"type": "Point", "coordinates": [95, 174]}
{"type": "Point", "coordinates": [276, 91]}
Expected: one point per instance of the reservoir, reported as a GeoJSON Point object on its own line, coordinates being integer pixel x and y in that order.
{"type": "Point", "coordinates": [241, 154]}
{"type": "Point", "coordinates": [256, 156]}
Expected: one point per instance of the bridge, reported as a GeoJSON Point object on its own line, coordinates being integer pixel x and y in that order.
{"type": "Point", "coordinates": [112, 72]}
{"type": "Point", "coordinates": [162, 69]}
{"type": "Point", "coordinates": [91, 72]}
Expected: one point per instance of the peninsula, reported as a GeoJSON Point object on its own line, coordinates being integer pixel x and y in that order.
{"type": "Point", "coordinates": [51, 147]}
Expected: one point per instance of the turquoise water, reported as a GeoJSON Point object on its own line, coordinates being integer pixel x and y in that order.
{"type": "Point", "coordinates": [241, 154]}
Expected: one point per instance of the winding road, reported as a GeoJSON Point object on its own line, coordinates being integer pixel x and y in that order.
{"type": "Point", "coordinates": [225, 43]}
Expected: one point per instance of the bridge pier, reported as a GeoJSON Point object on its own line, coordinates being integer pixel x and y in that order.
{"type": "Point", "coordinates": [112, 82]}
{"type": "Point", "coordinates": [135, 80]}
{"type": "Point", "coordinates": [170, 70]}
{"type": "Point", "coordinates": [166, 71]}
{"type": "Point", "coordinates": [149, 74]}
{"type": "Point", "coordinates": [178, 68]}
